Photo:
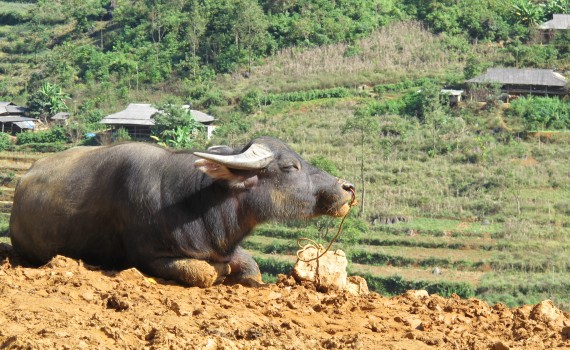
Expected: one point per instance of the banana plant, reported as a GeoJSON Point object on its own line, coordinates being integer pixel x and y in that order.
{"type": "Point", "coordinates": [179, 137]}
{"type": "Point", "coordinates": [527, 13]}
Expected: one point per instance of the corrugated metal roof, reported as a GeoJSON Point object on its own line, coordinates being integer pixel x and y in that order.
{"type": "Point", "coordinates": [10, 108]}
{"type": "Point", "coordinates": [525, 76]}
{"type": "Point", "coordinates": [558, 21]}
{"type": "Point", "coordinates": [141, 114]}
{"type": "Point", "coordinates": [14, 118]}
{"type": "Point", "coordinates": [60, 116]}
{"type": "Point", "coordinates": [135, 114]}
{"type": "Point", "coordinates": [452, 92]}
{"type": "Point", "coordinates": [126, 121]}
{"type": "Point", "coordinates": [200, 116]}
{"type": "Point", "coordinates": [26, 125]}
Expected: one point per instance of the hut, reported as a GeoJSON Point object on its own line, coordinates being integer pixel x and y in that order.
{"type": "Point", "coordinates": [453, 95]}
{"type": "Point", "coordinates": [549, 29]}
{"type": "Point", "coordinates": [12, 118]}
{"type": "Point", "coordinates": [137, 119]}
{"type": "Point", "coordinates": [524, 81]}
{"type": "Point", "coordinates": [60, 118]}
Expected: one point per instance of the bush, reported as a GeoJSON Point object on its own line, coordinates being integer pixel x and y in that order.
{"type": "Point", "coordinates": [542, 113]}
{"type": "Point", "coordinates": [121, 135]}
{"type": "Point", "coordinates": [5, 141]}
{"type": "Point", "coordinates": [43, 147]}
{"type": "Point", "coordinates": [250, 102]}
{"type": "Point", "coordinates": [54, 135]}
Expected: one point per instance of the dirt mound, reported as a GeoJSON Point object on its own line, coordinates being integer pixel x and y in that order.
{"type": "Point", "coordinates": [68, 305]}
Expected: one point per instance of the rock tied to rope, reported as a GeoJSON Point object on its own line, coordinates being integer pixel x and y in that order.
{"type": "Point", "coordinates": [319, 247]}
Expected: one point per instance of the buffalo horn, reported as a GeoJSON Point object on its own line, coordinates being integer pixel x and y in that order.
{"type": "Point", "coordinates": [255, 157]}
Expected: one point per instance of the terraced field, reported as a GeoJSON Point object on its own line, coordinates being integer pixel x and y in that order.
{"type": "Point", "coordinates": [17, 60]}
{"type": "Point", "coordinates": [461, 257]}
{"type": "Point", "coordinates": [495, 261]}
{"type": "Point", "coordinates": [12, 166]}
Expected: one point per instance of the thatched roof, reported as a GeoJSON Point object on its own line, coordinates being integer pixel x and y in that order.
{"type": "Point", "coordinates": [559, 22]}
{"type": "Point", "coordinates": [141, 114]}
{"type": "Point", "coordinates": [525, 76]}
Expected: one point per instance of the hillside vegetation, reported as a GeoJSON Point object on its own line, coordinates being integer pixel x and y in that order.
{"type": "Point", "coordinates": [471, 199]}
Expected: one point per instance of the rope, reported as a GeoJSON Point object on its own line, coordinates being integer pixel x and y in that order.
{"type": "Point", "coordinates": [319, 247]}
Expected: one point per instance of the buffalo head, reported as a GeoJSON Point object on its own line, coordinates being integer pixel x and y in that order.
{"type": "Point", "coordinates": [278, 182]}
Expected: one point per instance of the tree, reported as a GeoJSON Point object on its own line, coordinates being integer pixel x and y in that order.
{"type": "Point", "coordinates": [552, 7]}
{"type": "Point", "coordinates": [250, 28]}
{"type": "Point", "coordinates": [47, 101]}
{"type": "Point", "coordinates": [175, 126]}
{"type": "Point", "coordinates": [195, 30]}
{"type": "Point", "coordinates": [364, 124]}
{"type": "Point", "coordinates": [527, 13]}
{"type": "Point", "coordinates": [474, 66]}
{"type": "Point", "coordinates": [85, 12]}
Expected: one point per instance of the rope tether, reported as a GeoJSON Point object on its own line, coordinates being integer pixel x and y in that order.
{"type": "Point", "coordinates": [319, 247]}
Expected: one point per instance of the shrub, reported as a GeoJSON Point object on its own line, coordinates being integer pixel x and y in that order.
{"type": "Point", "coordinates": [250, 102]}
{"type": "Point", "coordinates": [5, 141]}
{"type": "Point", "coordinates": [542, 113]}
{"type": "Point", "coordinates": [121, 134]}
{"type": "Point", "coordinates": [54, 135]}
{"type": "Point", "coordinates": [43, 147]}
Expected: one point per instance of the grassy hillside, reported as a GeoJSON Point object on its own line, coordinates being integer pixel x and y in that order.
{"type": "Point", "coordinates": [489, 209]}
{"type": "Point", "coordinates": [477, 195]}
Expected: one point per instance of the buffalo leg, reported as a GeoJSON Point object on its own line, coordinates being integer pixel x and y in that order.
{"type": "Point", "coordinates": [244, 269]}
{"type": "Point", "coordinates": [191, 272]}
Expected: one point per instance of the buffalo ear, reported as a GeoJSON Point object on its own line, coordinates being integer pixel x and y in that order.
{"type": "Point", "coordinates": [214, 170]}
{"type": "Point", "coordinates": [219, 171]}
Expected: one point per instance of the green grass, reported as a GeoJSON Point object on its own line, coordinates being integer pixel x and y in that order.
{"type": "Point", "coordinates": [489, 207]}
{"type": "Point", "coordinates": [385, 255]}
{"type": "Point", "coordinates": [15, 7]}
{"type": "Point", "coordinates": [4, 224]}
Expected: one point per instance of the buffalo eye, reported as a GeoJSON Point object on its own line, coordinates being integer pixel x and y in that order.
{"type": "Point", "coordinates": [290, 167]}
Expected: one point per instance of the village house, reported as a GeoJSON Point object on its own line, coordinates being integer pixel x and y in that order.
{"type": "Point", "coordinates": [524, 81]}
{"type": "Point", "coordinates": [137, 119]}
{"type": "Point", "coordinates": [13, 120]}
{"type": "Point", "coordinates": [549, 29]}
{"type": "Point", "coordinates": [60, 118]}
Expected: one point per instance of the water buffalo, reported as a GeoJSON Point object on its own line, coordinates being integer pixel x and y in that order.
{"type": "Point", "coordinates": [175, 215]}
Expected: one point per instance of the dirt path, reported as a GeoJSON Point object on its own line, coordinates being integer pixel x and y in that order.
{"type": "Point", "coordinates": [65, 305]}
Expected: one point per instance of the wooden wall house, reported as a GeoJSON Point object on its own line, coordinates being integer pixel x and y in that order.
{"type": "Point", "coordinates": [549, 29]}
{"type": "Point", "coordinates": [13, 120]}
{"type": "Point", "coordinates": [525, 81]}
{"type": "Point", "coordinates": [137, 120]}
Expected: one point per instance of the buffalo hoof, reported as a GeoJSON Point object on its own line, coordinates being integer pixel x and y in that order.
{"type": "Point", "coordinates": [191, 272]}
{"type": "Point", "coordinates": [205, 274]}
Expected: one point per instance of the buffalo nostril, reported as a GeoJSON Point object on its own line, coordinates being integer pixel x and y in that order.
{"type": "Point", "coordinates": [347, 186]}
